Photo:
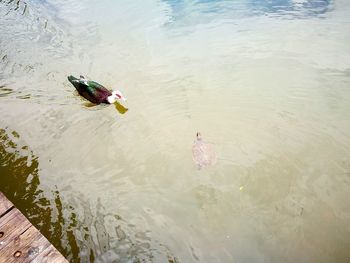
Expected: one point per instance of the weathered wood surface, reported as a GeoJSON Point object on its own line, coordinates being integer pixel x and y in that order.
{"type": "Point", "coordinates": [5, 204]}
{"type": "Point", "coordinates": [20, 241]}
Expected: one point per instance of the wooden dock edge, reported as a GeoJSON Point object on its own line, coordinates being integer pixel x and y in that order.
{"type": "Point", "coordinates": [20, 241]}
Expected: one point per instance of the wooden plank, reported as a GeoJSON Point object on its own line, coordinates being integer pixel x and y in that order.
{"type": "Point", "coordinates": [5, 204]}
{"type": "Point", "coordinates": [17, 250]}
{"type": "Point", "coordinates": [22, 242]}
{"type": "Point", "coordinates": [50, 255]}
{"type": "Point", "coordinates": [12, 225]}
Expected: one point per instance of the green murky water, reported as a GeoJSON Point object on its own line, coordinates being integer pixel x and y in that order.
{"type": "Point", "coordinates": [265, 82]}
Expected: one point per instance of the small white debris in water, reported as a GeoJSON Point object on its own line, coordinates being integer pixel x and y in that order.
{"type": "Point", "coordinates": [241, 188]}
{"type": "Point", "coordinates": [1, 243]}
{"type": "Point", "coordinates": [227, 236]}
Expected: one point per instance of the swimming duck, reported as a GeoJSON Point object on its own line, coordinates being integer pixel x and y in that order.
{"type": "Point", "coordinates": [94, 91]}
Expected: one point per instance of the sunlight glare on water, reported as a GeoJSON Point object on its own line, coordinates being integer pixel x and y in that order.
{"type": "Point", "coordinates": [265, 82]}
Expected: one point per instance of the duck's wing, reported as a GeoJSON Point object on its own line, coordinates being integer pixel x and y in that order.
{"type": "Point", "coordinates": [91, 87]}
{"type": "Point", "coordinates": [90, 90]}
{"type": "Point", "coordinates": [97, 89]}
{"type": "Point", "coordinates": [94, 85]}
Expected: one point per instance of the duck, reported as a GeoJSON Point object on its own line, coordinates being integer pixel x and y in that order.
{"type": "Point", "coordinates": [95, 92]}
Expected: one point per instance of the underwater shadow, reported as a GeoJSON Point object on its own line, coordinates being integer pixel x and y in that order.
{"type": "Point", "coordinates": [82, 233]}
{"type": "Point", "coordinates": [20, 182]}
{"type": "Point", "coordinates": [92, 106]}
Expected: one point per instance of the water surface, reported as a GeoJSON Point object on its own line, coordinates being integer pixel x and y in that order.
{"type": "Point", "coordinates": [266, 82]}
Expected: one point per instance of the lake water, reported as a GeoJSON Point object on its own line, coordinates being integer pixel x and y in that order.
{"type": "Point", "coordinates": [267, 83]}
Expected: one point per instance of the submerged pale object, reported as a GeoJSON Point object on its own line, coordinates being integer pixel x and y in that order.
{"type": "Point", "coordinates": [202, 152]}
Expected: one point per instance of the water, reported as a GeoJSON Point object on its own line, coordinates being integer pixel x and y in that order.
{"type": "Point", "coordinates": [265, 82]}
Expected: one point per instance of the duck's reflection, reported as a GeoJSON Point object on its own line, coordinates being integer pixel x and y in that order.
{"type": "Point", "coordinates": [89, 104]}
{"type": "Point", "coordinates": [119, 107]}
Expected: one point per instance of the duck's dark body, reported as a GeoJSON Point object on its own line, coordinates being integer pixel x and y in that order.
{"type": "Point", "coordinates": [90, 90]}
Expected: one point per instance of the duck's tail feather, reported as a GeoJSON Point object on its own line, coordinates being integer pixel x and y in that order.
{"type": "Point", "coordinates": [72, 79]}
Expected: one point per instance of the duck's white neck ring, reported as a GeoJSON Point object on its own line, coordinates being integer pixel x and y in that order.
{"type": "Point", "coordinates": [111, 99]}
